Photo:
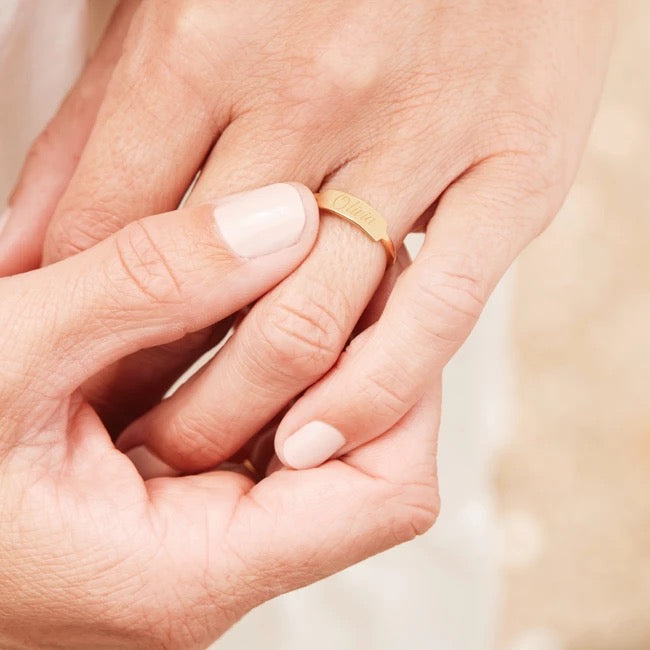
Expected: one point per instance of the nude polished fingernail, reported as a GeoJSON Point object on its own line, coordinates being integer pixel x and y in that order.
{"type": "Point", "coordinates": [312, 445]}
{"type": "Point", "coordinates": [261, 221]}
{"type": "Point", "coordinates": [148, 464]}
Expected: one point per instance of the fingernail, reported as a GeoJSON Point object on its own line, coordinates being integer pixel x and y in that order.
{"type": "Point", "coordinates": [312, 445]}
{"type": "Point", "coordinates": [261, 221]}
{"type": "Point", "coordinates": [148, 464]}
{"type": "Point", "coordinates": [4, 217]}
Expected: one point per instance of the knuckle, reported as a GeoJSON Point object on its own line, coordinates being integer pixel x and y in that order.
{"type": "Point", "coordinates": [161, 42]}
{"type": "Point", "coordinates": [73, 231]}
{"type": "Point", "coordinates": [545, 178]}
{"type": "Point", "coordinates": [192, 444]}
{"type": "Point", "coordinates": [339, 75]}
{"type": "Point", "coordinates": [531, 159]}
{"type": "Point", "coordinates": [540, 170]}
{"type": "Point", "coordinates": [183, 20]}
{"type": "Point", "coordinates": [349, 67]}
{"type": "Point", "coordinates": [384, 393]}
{"type": "Point", "coordinates": [144, 266]}
{"type": "Point", "coordinates": [418, 507]}
{"type": "Point", "coordinates": [450, 300]}
{"type": "Point", "coordinates": [52, 145]}
{"type": "Point", "coordinates": [331, 84]}
{"type": "Point", "coordinates": [305, 334]}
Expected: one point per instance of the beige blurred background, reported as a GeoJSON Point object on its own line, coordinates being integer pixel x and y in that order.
{"type": "Point", "coordinates": [573, 480]}
{"type": "Point", "coordinates": [543, 542]}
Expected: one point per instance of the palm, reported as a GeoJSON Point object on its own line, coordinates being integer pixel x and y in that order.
{"type": "Point", "coordinates": [153, 557]}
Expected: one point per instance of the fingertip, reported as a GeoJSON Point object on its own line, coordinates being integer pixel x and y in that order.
{"type": "Point", "coordinates": [310, 446]}
{"type": "Point", "coordinates": [266, 220]}
{"type": "Point", "coordinates": [148, 464]}
{"type": "Point", "coordinates": [308, 200]}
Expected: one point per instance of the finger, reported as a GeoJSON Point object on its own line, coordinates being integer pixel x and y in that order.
{"type": "Point", "coordinates": [154, 281]}
{"type": "Point", "coordinates": [155, 126]}
{"type": "Point", "coordinates": [129, 170]}
{"type": "Point", "coordinates": [53, 157]}
{"type": "Point", "coordinates": [238, 161]}
{"type": "Point", "coordinates": [378, 302]}
{"type": "Point", "coordinates": [289, 340]}
{"type": "Point", "coordinates": [241, 159]}
{"type": "Point", "coordinates": [260, 450]}
{"type": "Point", "coordinates": [131, 386]}
{"type": "Point", "coordinates": [294, 528]}
{"type": "Point", "coordinates": [476, 233]}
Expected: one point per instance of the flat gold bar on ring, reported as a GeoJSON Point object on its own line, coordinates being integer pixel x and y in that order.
{"type": "Point", "coordinates": [360, 214]}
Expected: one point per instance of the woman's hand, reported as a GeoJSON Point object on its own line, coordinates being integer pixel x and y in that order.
{"type": "Point", "coordinates": [92, 556]}
{"type": "Point", "coordinates": [479, 110]}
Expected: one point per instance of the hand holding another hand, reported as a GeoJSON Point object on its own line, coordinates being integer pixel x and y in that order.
{"type": "Point", "coordinates": [478, 111]}
{"type": "Point", "coordinates": [92, 556]}
{"type": "Point", "coordinates": [467, 120]}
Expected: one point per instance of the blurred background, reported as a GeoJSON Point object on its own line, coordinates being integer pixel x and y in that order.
{"type": "Point", "coordinates": [543, 542]}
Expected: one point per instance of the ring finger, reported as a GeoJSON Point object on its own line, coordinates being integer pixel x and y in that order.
{"type": "Point", "coordinates": [292, 336]}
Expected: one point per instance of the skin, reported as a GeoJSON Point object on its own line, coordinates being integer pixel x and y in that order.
{"type": "Point", "coordinates": [92, 556]}
{"type": "Point", "coordinates": [477, 112]}
{"type": "Point", "coordinates": [474, 114]}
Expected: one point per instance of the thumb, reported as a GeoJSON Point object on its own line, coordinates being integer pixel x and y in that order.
{"type": "Point", "coordinates": [246, 543]}
{"type": "Point", "coordinates": [152, 282]}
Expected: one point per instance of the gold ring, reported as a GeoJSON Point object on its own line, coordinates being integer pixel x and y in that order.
{"type": "Point", "coordinates": [360, 214]}
{"type": "Point", "coordinates": [251, 469]}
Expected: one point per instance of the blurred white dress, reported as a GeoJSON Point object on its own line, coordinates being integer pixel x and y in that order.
{"type": "Point", "coordinates": [440, 592]}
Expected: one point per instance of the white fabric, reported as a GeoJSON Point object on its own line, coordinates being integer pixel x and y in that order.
{"type": "Point", "coordinates": [439, 592]}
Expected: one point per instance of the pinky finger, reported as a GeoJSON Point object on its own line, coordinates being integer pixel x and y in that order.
{"type": "Point", "coordinates": [481, 223]}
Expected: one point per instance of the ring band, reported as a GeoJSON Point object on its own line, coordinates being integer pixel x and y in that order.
{"type": "Point", "coordinates": [248, 466]}
{"type": "Point", "coordinates": [360, 214]}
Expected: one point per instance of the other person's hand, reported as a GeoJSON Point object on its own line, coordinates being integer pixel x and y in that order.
{"type": "Point", "coordinates": [92, 556]}
{"type": "Point", "coordinates": [478, 110]}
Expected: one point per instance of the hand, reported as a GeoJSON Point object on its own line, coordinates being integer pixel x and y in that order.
{"type": "Point", "coordinates": [92, 556]}
{"type": "Point", "coordinates": [479, 111]}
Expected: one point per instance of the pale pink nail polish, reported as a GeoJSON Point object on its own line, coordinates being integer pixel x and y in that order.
{"type": "Point", "coordinates": [261, 221]}
{"type": "Point", "coordinates": [312, 445]}
{"type": "Point", "coordinates": [148, 464]}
